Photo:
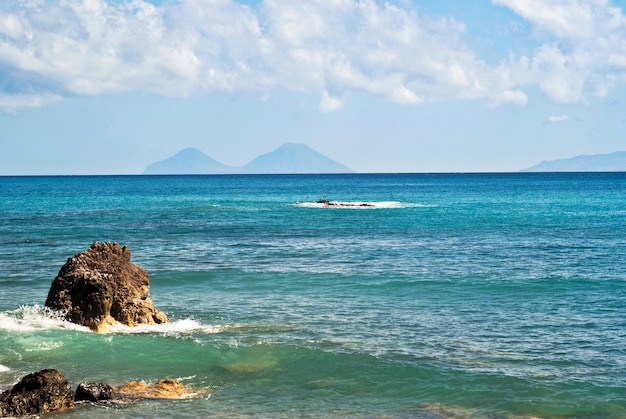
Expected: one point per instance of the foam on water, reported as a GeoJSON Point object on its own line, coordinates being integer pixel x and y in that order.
{"type": "Point", "coordinates": [36, 317]}
{"type": "Point", "coordinates": [176, 327]}
{"type": "Point", "coordinates": [357, 204]}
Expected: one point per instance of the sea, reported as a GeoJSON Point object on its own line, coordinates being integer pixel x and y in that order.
{"type": "Point", "coordinates": [425, 296]}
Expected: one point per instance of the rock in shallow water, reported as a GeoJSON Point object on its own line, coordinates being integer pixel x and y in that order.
{"type": "Point", "coordinates": [39, 392]}
{"type": "Point", "coordinates": [163, 389]}
{"type": "Point", "coordinates": [48, 390]}
{"type": "Point", "coordinates": [94, 392]}
{"type": "Point", "coordinates": [100, 286]}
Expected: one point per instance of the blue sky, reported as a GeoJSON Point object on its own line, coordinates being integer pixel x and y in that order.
{"type": "Point", "coordinates": [108, 87]}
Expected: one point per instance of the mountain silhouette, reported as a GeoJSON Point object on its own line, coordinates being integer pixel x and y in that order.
{"type": "Point", "coordinates": [189, 161]}
{"type": "Point", "coordinates": [294, 158]}
{"type": "Point", "coordinates": [612, 162]}
{"type": "Point", "coordinates": [288, 158]}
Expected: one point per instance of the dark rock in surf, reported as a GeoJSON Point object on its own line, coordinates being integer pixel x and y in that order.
{"type": "Point", "coordinates": [48, 391]}
{"type": "Point", "coordinates": [327, 203]}
{"type": "Point", "coordinates": [100, 286]}
{"type": "Point", "coordinates": [162, 389]}
{"type": "Point", "coordinates": [94, 392]}
{"type": "Point", "coordinates": [36, 393]}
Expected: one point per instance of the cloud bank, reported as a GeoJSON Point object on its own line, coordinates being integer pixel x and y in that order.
{"type": "Point", "coordinates": [50, 49]}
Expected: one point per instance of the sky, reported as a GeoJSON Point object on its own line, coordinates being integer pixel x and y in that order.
{"type": "Point", "coordinates": [111, 86]}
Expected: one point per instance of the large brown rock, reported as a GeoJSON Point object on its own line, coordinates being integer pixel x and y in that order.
{"type": "Point", "coordinates": [36, 393]}
{"type": "Point", "coordinates": [100, 286]}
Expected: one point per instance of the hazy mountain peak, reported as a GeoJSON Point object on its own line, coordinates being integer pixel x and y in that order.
{"type": "Point", "coordinates": [611, 162]}
{"type": "Point", "coordinates": [288, 158]}
{"type": "Point", "coordinates": [294, 158]}
{"type": "Point", "coordinates": [187, 161]}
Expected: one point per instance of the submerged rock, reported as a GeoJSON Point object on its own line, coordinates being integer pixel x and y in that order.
{"type": "Point", "coordinates": [100, 286]}
{"type": "Point", "coordinates": [39, 392]}
{"type": "Point", "coordinates": [163, 389]}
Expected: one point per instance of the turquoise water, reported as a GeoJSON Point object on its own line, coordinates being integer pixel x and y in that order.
{"type": "Point", "coordinates": [450, 296]}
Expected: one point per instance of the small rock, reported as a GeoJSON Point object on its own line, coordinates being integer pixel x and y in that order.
{"type": "Point", "coordinates": [94, 392]}
{"type": "Point", "coordinates": [39, 392]}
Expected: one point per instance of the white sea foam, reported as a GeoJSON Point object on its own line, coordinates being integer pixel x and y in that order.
{"type": "Point", "coordinates": [176, 327]}
{"type": "Point", "coordinates": [359, 204]}
{"type": "Point", "coordinates": [36, 317]}
{"type": "Point", "coordinates": [44, 346]}
{"type": "Point", "coordinates": [4, 369]}
{"type": "Point", "coordinates": [354, 204]}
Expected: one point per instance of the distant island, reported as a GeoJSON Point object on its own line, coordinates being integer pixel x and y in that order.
{"type": "Point", "coordinates": [289, 158]}
{"type": "Point", "coordinates": [612, 162]}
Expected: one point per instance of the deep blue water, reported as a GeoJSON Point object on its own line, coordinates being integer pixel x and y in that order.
{"type": "Point", "coordinates": [448, 296]}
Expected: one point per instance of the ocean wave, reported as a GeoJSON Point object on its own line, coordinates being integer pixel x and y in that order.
{"type": "Point", "coordinates": [36, 317]}
{"type": "Point", "coordinates": [183, 326]}
{"type": "Point", "coordinates": [358, 204]}
{"type": "Point", "coordinates": [4, 369]}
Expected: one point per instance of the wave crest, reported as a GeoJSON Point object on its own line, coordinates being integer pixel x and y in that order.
{"type": "Point", "coordinates": [173, 328]}
{"type": "Point", "coordinates": [36, 317]}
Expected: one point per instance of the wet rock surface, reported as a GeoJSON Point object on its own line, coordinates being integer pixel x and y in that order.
{"type": "Point", "coordinates": [163, 389]}
{"type": "Point", "coordinates": [100, 286]}
{"type": "Point", "coordinates": [94, 392]}
{"type": "Point", "coordinates": [48, 391]}
{"type": "Point", "coordinates": [39, 392]}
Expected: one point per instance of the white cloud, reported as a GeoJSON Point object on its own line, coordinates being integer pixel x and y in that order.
{"type": "Point", "coordinates": [329, 47]}
{"type": "Point", "coordinates": [330, 103]}
{"type": "Point", "coordinates": [10, 25]}
{"type": "Point", "coordinates": [404, 95]}
{"type": "Point", "coordinates": [563, 18]}
{"type": "Point", "coordinates": [617, 61]}
{"type": "Point", "coordinates": [93, 47]}
{"type": "Point", "coordinates": [584, 51]}
{"type": "Point", "coordinates": [515, 97]}
{"type": "Point", "coordinates": [558, 118]}
{"type": "Point", "coordinates": [13, 102]}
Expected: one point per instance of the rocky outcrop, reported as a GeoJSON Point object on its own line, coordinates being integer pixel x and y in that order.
{"type": "Point", "coordinates": [163, 389]}
{"type": "Point", "coordinates": [36, 393]}
{"type": "Point", "coordinates": [100, 286]}
{"type": "Point", "coordinates": [48, 390]}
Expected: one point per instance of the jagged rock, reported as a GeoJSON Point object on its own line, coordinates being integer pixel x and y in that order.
{"type": "Point", "coordinates": [48, 391]}
{"type": "Point", "coordinates": [39, 392]}
{"type": "Point", "coordinates": [94, 392]}
{"type": "Point", "coordinates": [100, 286]}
